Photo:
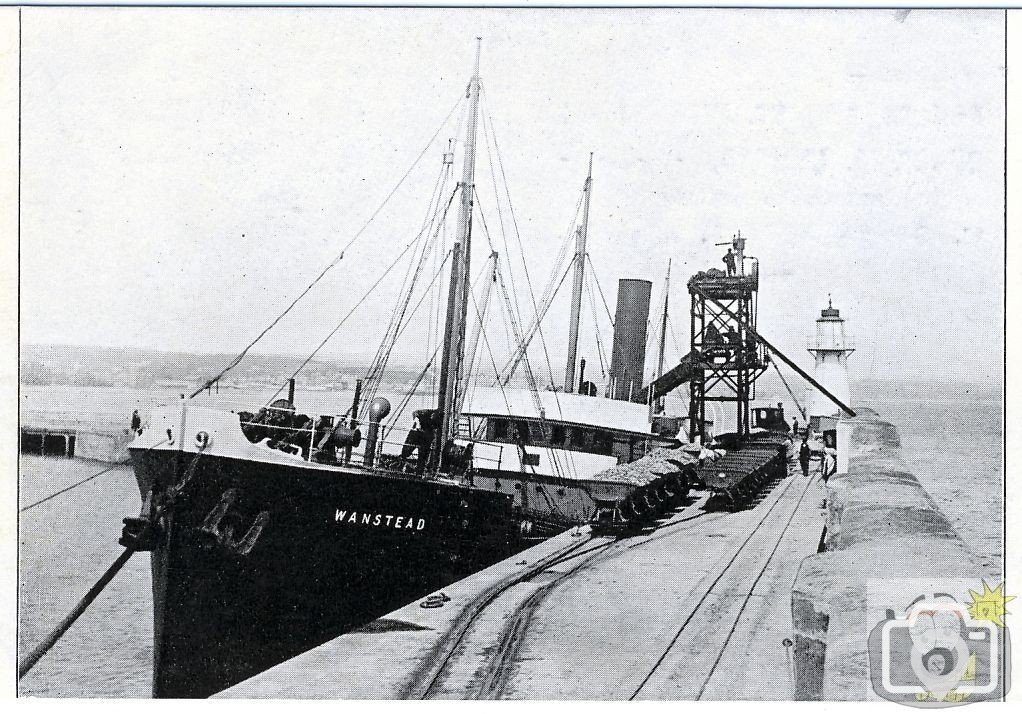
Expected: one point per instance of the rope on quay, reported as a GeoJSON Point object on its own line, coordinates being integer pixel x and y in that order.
{"type": "Point", "coordinates": [111, 467]}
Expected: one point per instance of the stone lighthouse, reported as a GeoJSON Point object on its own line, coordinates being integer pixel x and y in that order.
{"type": "Point", "coordinates": [831, 348]}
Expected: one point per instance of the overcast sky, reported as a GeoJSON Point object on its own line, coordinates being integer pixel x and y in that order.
{"type": "Point", "coordinates": [187, 172]}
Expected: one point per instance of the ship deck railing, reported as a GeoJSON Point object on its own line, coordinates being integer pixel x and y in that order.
{"type": "Point", "coordinates": [357, 456]}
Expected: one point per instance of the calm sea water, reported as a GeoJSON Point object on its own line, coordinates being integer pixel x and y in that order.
{"type": "Point", "coordinates": [952, 442]}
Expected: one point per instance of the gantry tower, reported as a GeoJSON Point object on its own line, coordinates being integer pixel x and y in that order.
{"type": "Point", "coordinates": [727, 356]}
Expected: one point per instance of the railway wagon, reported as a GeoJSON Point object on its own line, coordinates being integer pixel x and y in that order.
{"type": "Point", "coordinates": [746, 467]}
{"type": "Point", "coordinates": [661, 480]}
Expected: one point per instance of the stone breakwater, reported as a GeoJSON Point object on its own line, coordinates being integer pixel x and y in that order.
{"type": "Point", "coordinates": [881, 525]}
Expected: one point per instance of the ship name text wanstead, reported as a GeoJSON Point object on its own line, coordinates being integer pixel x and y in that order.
{"type": "Point", "coordinates": [379, 520]}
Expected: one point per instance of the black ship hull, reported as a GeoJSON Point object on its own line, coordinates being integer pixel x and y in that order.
{"type": "Point", "coordinates": [255, 562]}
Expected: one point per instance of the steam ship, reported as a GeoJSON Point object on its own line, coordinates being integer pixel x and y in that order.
{"type": "Point", "coordinates": [273, 532]}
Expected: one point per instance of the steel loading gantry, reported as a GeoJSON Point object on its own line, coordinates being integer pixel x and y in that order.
{"type": "Point", "coordinates": [728, 354]}
{"type": "Point", "coordinates": [727, 357]}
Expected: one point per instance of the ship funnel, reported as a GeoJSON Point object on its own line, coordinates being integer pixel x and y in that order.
{"type": "Point", "coordinates": [629, 355]}
{"type": "Point", "coordinates": [378, 409]}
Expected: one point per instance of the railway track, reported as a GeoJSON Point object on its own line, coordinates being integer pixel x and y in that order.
{"type": "Point", "coordinates": [494, 635]}
{"type": "Point", "coordinates": [430, 682]}
{"type": "Point", "coordinates": [690, 660]}
{"type": "Point", "coordinates": [478, 656]}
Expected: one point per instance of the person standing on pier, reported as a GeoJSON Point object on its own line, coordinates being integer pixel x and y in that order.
{"type": "Point", "coordinates": [803, 455]}
{"type": "Point", "coordinates": [829, 465]}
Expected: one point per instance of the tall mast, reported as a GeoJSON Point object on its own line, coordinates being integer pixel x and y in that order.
{"type": "Point", "coordinates": [663, 335]}
{"type": "Point", "coordinates": [457, 302]}
{"type": "Point", "coordinates": [576, 287]}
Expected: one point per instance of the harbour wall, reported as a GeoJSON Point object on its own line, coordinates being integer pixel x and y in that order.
{"type": "Point", "coordinates": [881, 525]}
{"type": "Point", "coordinates": [103, 446]}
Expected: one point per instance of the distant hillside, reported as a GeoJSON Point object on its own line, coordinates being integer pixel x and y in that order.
{"type": "Point", "coordinates": [139, 368]}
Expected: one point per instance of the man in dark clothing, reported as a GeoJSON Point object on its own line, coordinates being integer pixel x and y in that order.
{"type": "Point", "coordinates": [803, 456]}
{"type": "Point", "coordinates": [136, 422]}
{"type": "Point", "coordinates": [417, 444]}
{"type": "Point", "coordinates": [729, 261]}
{"type": "Point", "coordinates": [420, 439]}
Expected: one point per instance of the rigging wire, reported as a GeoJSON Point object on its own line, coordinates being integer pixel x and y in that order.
{"type": "Point", "coordinates": [511, 365]}
{"type": "Point", "coordinates": [652, 335]}
{"type": "Point", "coordinates": [429, 286]}
{"type": "Point", "coordinates": [528, 278]}
{"type": "Point", "coordinates": [533, 387]}
{"type": "Point", "coordinates": [343, 320]}
{"type": "Point", "coordinates": [566, 241]}
{"type": "Point", "coordinates": [407, 398]}
{"type": "Point", "coordinates": [677, 345]}
{"type": "Point", "coordinates": [487, 130]}
{"type": "Point", "coordinates": [598, 287]}
{"type": "Point", "coordinates": [374, 373]}
{"type": "Point", "coordinates": [414, 266]}
{"type": "Point", "coordinates": [790, 392]}
{"type": "Point", "coordinates": [487, 272]}
{"type": "Point", "coordinates": [411, 393]}
{"type": "Point", "coordinates": [519, 442]}
{"type": "Point", "coordinates": [241, 355]}
{"type": "Point", "coordinates": [596, 325]}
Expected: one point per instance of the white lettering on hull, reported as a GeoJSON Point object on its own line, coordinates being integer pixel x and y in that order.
{"type": "Point", "coordinates": [378, 520]}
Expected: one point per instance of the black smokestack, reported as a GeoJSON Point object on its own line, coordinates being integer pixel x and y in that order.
{"type": "Point", "coordinates": [629, 355]}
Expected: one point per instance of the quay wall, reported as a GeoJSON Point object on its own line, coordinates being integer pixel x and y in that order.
{"type": "Point", "coordinates": [881, 525]}
{"type": "Point", "coordinates": [103, 446]}
{"type": "Point", "coordinates": [94, 441]}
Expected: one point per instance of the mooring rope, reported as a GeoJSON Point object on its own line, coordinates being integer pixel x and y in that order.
{"type": "Point", "coordinates": [75, 485]}
{"type": "Point", "coordinates": [111, 467]}
{"type": "Point", "coordinates": [43, 647]}
{"type": "Point", "coordinates": [40, 650]}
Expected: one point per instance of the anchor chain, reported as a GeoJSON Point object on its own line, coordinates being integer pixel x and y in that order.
{"type": "Point", "coordinates": [140, 533]}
